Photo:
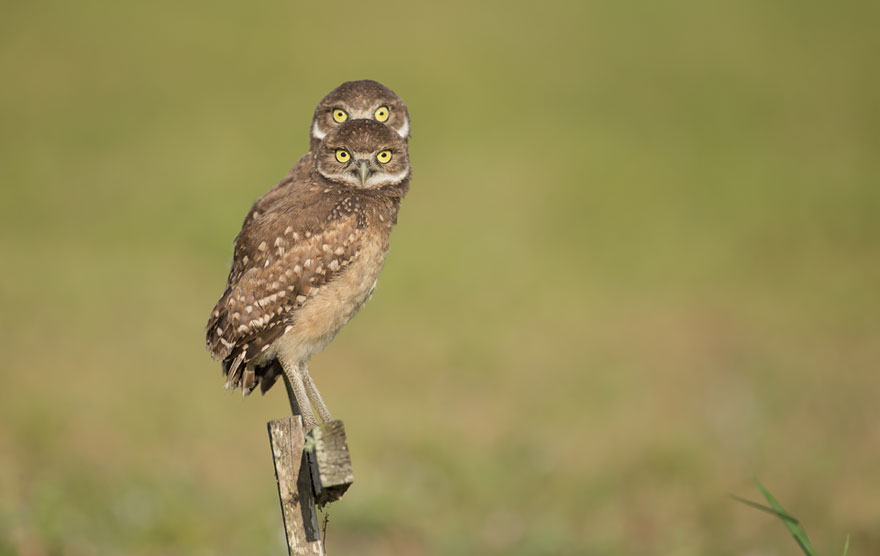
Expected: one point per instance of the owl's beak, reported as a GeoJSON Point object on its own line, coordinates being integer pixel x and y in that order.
{"type": "Point", "coordinates": [364, 172]}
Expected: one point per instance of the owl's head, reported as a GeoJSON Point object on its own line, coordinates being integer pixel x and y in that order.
{"type": "Point", "coordinates": [359, 100]}
{"type": "Point", "coordinates": [363, 154]}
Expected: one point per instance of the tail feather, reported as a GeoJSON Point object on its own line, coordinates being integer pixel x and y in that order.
{"type": "Point", "coordinates": [269, 374]}
{"type": "Point", "coordinates": [239, 374]}
{"type": "Point", "coordinates": [232, 367]}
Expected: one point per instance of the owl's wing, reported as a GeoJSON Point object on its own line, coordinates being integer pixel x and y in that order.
{"type": "Point", "coordinates": [277, 266]}
{"type": "Point", "coordinates": [296, 177]}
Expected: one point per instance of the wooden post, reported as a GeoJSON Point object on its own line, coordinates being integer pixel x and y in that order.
{"type": "Point", "coordinates": [311, 470]}
{"type": "Point", "coordinates": [298, 510]}
{"type": "Point", "coordinates": [327, 450]}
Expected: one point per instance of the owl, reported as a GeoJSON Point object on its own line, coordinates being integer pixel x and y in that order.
{"type": "Point", "coordinates": [306, 262]}
{"type": "Point", "coordinates": [353, 100]}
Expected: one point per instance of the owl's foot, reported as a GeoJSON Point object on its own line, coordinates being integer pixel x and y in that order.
{"type": "Point", "coordinates": [315, 396]}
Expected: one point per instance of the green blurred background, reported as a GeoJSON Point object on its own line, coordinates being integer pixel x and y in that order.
{"type": "Point", "coordinates": [639, 263]}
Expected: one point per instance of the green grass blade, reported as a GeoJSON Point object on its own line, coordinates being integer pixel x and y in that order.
{"type": "Point", "coordinates": [791, 523]}
{"type": "Point", "coordinates": [846, 546]}
{"type": "Point", "coordinates": [763, 508]}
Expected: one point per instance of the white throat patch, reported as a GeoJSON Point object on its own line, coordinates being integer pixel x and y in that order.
{"type": "Point", "coordinates": [379, 179]}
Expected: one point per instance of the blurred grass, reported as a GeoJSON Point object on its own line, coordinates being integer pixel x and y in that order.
{"type": "Point", "coordinates": [793, 525]}
{"type": "Point", "coordinates": [638, 264]}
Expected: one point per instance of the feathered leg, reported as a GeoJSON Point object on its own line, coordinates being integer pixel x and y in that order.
{"type": "Point", "coordinates": [315, 396]}
{"type": "Point", "coordinates": [296, 393]}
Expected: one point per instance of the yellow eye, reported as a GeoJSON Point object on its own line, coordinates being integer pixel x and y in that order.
{"type": "Point", "coordinates": [342, 155]}
{"type": "Point", "coordinates": [384, 157]}
{"type": "Point", "coordinates": [339, 115]}
{"type": "Point", "coordinates": [382, 114]}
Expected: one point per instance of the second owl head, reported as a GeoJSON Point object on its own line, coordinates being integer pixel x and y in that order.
{"type": "Point", "coordinates": [355, 100]}
{"type": "Point", "coordinates": [364, 154]}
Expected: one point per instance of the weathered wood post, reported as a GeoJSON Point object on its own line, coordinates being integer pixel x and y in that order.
{"type": "Point", "coordinates": [327, 450]}
{"type": "Point", "coordinates": [312, 468]}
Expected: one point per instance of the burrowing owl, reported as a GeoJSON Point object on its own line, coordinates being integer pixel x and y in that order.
{"type": "Point", "coordinates": [353, 100]}
{"type": "Point", "coordinates": [306, 262]}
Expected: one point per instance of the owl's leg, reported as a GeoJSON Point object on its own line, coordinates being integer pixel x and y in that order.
{"type": "Point", "coordinates": [296, 393]}
{"type": "Point", "coordinates": [315, 396]}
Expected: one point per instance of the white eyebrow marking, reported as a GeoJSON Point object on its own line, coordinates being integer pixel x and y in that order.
{"type": "Point", "coordinates": [317, 133]}
{"type": "Point", "coordinates": [404, 129]}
